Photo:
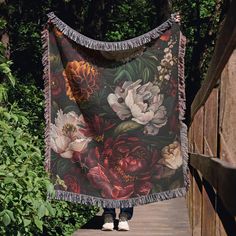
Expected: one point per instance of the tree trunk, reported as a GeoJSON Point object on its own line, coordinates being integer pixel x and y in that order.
{"type": "Point", "coordinates": [4, 38]}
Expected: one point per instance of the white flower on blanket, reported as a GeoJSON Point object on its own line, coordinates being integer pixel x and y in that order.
{"type": "Point", "coordinates": [165, 67]}
{"type": "Point", "coordinates": [171, 156]}
{"type": "Point", "coordinates": [143, 103]}
{"type": "Point", "coordinates": [66, 134]}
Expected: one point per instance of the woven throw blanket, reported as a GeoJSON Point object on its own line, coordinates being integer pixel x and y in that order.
{"type": "Point", "coordinates": [115, 135]}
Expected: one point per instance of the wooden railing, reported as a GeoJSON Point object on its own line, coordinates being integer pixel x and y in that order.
{"type": "Point", "coordinates": [211, 199]}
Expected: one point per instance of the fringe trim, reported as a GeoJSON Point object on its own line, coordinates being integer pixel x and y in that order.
{"type": "Point", "coordinates": [112, 203]}
{"type": "Point", "coordinates": [110, 46]}
{"type": "Point", "coordinates": [47, 95]}
{"type": "Point", "coordinates": [181, 76]}
{"type": "Point", "coordinates": [182, 107]}
{"type": "Point", "coordinates": [184, 150]}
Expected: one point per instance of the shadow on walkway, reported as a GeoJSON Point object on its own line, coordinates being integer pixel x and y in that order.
{"type": "Point", "coordinates": [164, 218]}
{"type": "Point", "coordinates": [96, 223]}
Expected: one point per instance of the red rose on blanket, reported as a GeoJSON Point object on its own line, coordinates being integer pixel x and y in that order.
{"type": "Point", "coordinates": [57, 84]}
{"type": "Point", "coordinates": [125, 170]}
{"type": "Point", "coordinates": [129, 155]}
{"type": "Point", "coordinates": [88, 159]}
{"type": "Point", "coordinates": [72, 183]}
{"type": "Point", "coordinates": [96, 127]}
{"type": "Point", "coordinates": [99, 177]}
{"type": "Point", "coordinates": [166, 36]}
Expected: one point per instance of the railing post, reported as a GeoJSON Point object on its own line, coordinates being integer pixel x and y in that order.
{"type": "Point", "coordinates": [210, 149]}
{"type": "Point", "coordinates": [227, 126]}
{"type": "Point", "coordinates": [213, 133]}
{"type": "Point", "coordinates": [194, 194]}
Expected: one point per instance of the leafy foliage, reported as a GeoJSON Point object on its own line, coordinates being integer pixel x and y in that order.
{"type": "Point", "coordinates": [24, 209]}
{"type": "Point", "coordinates": [200, 23]}
{"type": "Point", "coordinates": [125, 21]}
{"type": "Point", "coordinates": [5, 71]}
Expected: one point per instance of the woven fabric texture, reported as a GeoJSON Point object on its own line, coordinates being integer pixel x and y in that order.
{"type": "Point", "coordinates": [114, 111]}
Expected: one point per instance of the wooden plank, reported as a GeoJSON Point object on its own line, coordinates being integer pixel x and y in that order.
{"type": "Point", "coordinates": [190, 139]}
{"type": "Point", "coordinates": [210, 148]}
{"type": "Point", "coordinates": [208, 209]}
{"type": "Point", "coordinates": [190, 204]}
{"type": "Point", "coordinates": [190, 192]}
{"type": "Point", "coordinates": [164, 218]}
{"type": "Point", "coordinates": [225, 45]}
{"type": "Point", "coordinates": [220, 229]}
{"type": "Point", "coordinates": [198, 131]}
{"type": "Point", "coordinates": [197, 179]}
{"type": "Point", "coordinates": [227, 122]}
{"type": "Point", "coordinates": [221, 175]}
{"type": "Point", "coordinates": [227, 220]}
{"type": "Point", "coordinates": [190, 147]}
{"type": "Point", "coordinates": [197, 203]}
{"type": "Point", "coordinates": [211, 124]}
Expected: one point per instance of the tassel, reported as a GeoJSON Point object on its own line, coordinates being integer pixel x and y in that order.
{"type": "Point", "coordinates": [47, 98]}
{"type": "Point", "coordinates": [110, 46]}
{"type": "Point", "coordinates": [112, 203]}
{"type": "Point", "coordinates": [182, 107]}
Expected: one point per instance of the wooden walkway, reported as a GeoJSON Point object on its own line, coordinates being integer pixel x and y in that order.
{"type": "Point", "coordinates": [164, 218]}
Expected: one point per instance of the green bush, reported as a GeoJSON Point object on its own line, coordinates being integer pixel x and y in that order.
{"type": "Point", "coordinates": [23, 206]}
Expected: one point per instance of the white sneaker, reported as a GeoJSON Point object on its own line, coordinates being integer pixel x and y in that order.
{"type": "Point", "coordinates": [123, 223]}
{"type": "Point", "coordinates": [123, 226]}
{"type": "Point", "coordinates": [108, 223]}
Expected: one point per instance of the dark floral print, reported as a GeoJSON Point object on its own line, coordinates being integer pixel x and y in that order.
{"type": "Point", "coordinates": [114, 131]}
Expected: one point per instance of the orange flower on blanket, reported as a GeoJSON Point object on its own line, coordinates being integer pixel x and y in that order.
{"type": "Point", "coordinates": [81, 80]}
{"type": "Point", "coordinates": [166, 36]}
{"type": "Point", "coordinates": [57, 32]}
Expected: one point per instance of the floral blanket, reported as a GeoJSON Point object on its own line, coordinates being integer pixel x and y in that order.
{"type": "Point", "coordinates": [115, 135]}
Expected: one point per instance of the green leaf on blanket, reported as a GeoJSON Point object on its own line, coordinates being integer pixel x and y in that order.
{"type": "Point", "coordinates": [145, 74]}
{"type": "Point", "coordinates": [126, 126]}
{"type": "Point", "coordinates": [156, 188]}
{"type": "Point", "coordinates": [158, 141]}
{"type": "Point", "coordinates": [169, 103]}
{"type": "Point", "coordinates": [63, 165]}
{"type": "Point", "coordinates": [122, 74]}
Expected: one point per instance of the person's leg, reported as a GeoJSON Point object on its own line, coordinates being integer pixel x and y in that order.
{"type": "Point", "coordinates": [125, 215]}
{"type": "Point", "coordinates": [111, 211]}
{"type": "Point", "coordinates": [109, 215]}
{"type": "Point", "coordinates": [127, 210]}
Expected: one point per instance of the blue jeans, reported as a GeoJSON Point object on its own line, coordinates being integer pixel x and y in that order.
{"type": "Point", "coordinates": [128, 211]}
